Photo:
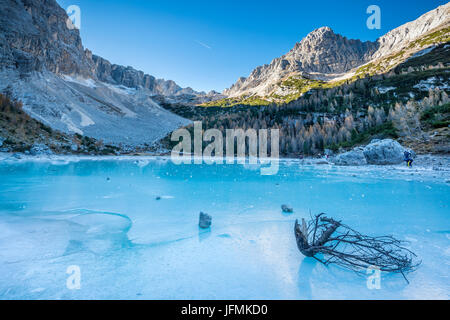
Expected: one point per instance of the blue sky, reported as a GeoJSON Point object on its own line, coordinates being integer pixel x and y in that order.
{"type": "Point", "coordinates": [209, 44]}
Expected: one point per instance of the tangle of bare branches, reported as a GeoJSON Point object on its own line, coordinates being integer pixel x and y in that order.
{"type": "Point", "coordinates": [329, 241]}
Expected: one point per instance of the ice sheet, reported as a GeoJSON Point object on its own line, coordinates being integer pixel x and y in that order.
{"type": "Point", "coordinates": [104, 217]}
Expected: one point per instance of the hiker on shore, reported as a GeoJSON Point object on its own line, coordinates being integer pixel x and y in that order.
{"type": "Point", "coordinates": [408, 158]}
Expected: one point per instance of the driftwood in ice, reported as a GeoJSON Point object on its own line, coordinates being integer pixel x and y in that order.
{"type": "Point", "coordinates": [329, 241]}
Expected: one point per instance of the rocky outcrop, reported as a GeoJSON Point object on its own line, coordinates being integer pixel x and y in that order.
{"type": "Point", "coordinates": [324, 55]}
{"type": "Point", "coordinates": [378, 152]}
{"type": "Point", "coordinates": [39, 149]}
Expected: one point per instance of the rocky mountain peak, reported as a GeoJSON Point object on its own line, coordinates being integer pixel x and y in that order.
{"type": "Point", "coordinates": [325, 55]}
{"type": "Point", "coordinates": [320, 32]}
{"type": "Point", "coordinates": [317, 38]}
{"type": "Point", "coordinates": [322, 52]}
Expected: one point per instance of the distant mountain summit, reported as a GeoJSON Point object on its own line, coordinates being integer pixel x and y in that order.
{"type": "Point", "coordinates": [322, 51]}
{"type": "Point", "coordinates": [325, 55]}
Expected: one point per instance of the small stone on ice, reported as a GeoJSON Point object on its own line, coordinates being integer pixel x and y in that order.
{"type": "Point", "coordinates": [286, 209]}
{"type": "Point", "coordinates": [204, 220]}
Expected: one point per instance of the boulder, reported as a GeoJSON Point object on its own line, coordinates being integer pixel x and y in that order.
{"type": "Point", "coordinates": [40, 149]}
{"type": "Point", "coordinates": [74, 147]}
{"type": "Point", "coordinates": [286, 209]}
{"type": "Point", "coordinates": [204, 220]}
{"type": "Point", "coordinates": [354, 157]}
{"type": "Point", "coordinates": [379, 152]}
{"type": "Point", "coordinates": [386, 151]}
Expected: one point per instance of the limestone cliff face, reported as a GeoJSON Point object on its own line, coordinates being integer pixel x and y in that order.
{"type": "Point", "coordinates": [324, 55]}
{"type": "Point", "coordinates": [44, 65]}
{"type": "Point", "coordinates": [132, 78]}
{"type": "Point", "coordinates": [34, 36]}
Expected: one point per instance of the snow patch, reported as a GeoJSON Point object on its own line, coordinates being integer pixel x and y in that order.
{"type": "Point", "coordinates": [432, 83]}
{"type": "Point", "coordinates": [383, 90]}
{"type": "Point", "coordinates": [120, 89]}
{"type": "Point", "coordinates": [87, 82]}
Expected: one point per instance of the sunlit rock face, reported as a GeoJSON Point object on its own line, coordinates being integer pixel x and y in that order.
{"type": "Point", "coordinates": [321, 51]}
{"type": "Point", "coordinates": [325, 55]}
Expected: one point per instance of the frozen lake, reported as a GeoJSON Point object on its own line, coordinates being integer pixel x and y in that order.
{"type": "Point", "coordinates": [103, 217]}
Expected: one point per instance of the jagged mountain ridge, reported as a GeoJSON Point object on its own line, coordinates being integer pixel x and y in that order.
{"type": "Point", "coordinates": [34, 38]}
{"type": "Point", "coordinates": [44, 65]}
{"type": "Point", "coordinates": [129, 77]}
{"type": "Point", "coordinates": [324, 55]}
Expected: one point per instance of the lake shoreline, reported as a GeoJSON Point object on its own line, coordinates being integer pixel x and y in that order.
{"type": "Point", "coordinates": [433, 162]}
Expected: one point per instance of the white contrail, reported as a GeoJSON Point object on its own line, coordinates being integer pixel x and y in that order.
{"type": "Point", "coordinates": [203, 44]}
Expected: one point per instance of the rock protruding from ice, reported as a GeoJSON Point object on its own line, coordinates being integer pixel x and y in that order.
{"type": "Point", "coordinates": [287, 209]}
{"type": "Point", "coordinates": [379, 152]}
{"type": "Point", "coordinates": [204, 220]}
